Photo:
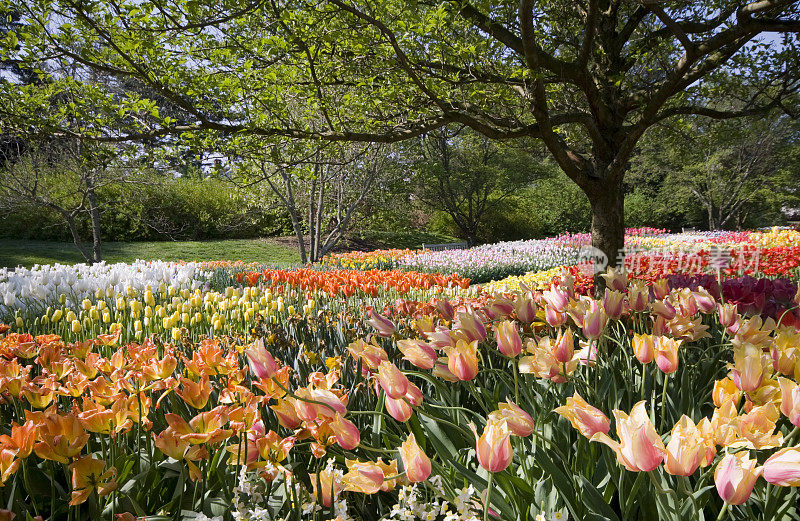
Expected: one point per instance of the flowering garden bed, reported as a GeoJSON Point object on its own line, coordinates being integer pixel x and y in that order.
{"type": "Point", "coordinates": [190, 391]}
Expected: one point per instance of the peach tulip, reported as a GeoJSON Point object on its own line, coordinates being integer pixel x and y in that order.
{"type": "Point", "coordinates": [398, 409]}
{"type": "Point", "coordinates": [614, 304]}
{"type": "Point", "coordinates": [564, 348]}
{"type": "Point", "coordinates": [615, 279]}
{"type": "Point", "coordinates": [493, 447]}
{"type": "Point", "coordinates": [471, 325]}
{"type": "Point", "coordinates": [686, 449]}
{"type": "Point", "coordinates": [666, 353]}
{"type": "Point", "coordinates": [519, 422]}
{"type": "Point", "coordinates": [417, 352]}
{"type": "Point", "coordinates": [643, 348]}
{"type": "Point", "coordinates": [587, 419]}
{"type": "Point", "coordinates": [783, 468]}
{"type": "Point", "coordinates": [735, 477]}
{"type": "Point", "coordinates": [393, 382]}
{"type": "Point", "coordinates": [790, 400]}
{"type": "Point", "coordinates": [640, 447]}
{"type": "Point", "coordinates": [638, 295]}
{"type": "Point", "coordinates": [330, 486]}
{"type": "Point", "coordinates": [381, 324]}
{"type": "Point", "coordinates": [594, 321]}
{"type": "Point", "coordinates": [508, 340]}
{"type": "Point", "coordinates": [365, 477]}
{"type": "Point", "coordinates": [556, 298]}
{"type": "Point", "coordinates": [346, 432]}
{"type": "Point", "coordinates": [462, 359]}
{"type": "Point", "coordinates": [525, 307]}
{"type": "Point", "coordinates": [416, 464]}
{"type": "Point", "coordinates": [748, 366]}
{"type": "Point", "coordinates": [260, 360]}
{"type": "Point", "coordinates": [724, 390]}
{"type": "Point", "coordinates": [554, 317]}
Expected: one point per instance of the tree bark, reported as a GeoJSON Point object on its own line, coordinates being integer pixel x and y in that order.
{"type": "Point", "coordinates": [607, 200]}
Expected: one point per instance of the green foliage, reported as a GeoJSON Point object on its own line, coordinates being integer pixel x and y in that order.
{"type": "Point", "coordinates": [174, 209]}
{"type": "Point", "coordinates": [559, 206]}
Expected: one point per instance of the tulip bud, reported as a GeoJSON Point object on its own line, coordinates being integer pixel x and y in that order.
{"type": "Point", "coordinates": [666, 353]}
{"type": "Point", "coordinates": [76, 326]}
{"type": "Point", "coordinates": [727, 314]}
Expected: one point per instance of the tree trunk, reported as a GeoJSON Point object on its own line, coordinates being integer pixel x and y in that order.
{"type": "Point", "coordinates": [608, 226]}
{"type": "Point", "coordinates": [711, 224]}
{"type": "Point", "coordinates": [76, 238]}
{"type": "Point", "coordinates": [94, 213]}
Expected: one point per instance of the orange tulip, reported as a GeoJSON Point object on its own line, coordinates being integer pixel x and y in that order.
{"type": "Point", "coordinates": [21, 440]}
{"type": "Point", "coordinates": [286, 412]}
{"type": "Point", "coordinates": [329, 486]}
{"type": "Point", "coordinates": [724, 390]}
{"type": "Point", "coordinates": [89, 475]}
{"type": "Point", "coordinates": [61, 436]}
{"type": "Point", "coordinates": [584, 417]}
{"type": "Point", "coordinates": [416, 463]}
{"type": "Point", "coordinates": [197, 393]}
{"type": "Point", "coordinates": [640, 447]}
{"type": "Point", "coordinates": [176, 447]}
{"type": "Point", "coordinates": [9, 464]}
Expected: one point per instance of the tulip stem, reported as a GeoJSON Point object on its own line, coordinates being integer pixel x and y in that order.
{"type": "Point", "coordinates": [723, 511]}
{"type": "Point", "coordinates": [515, 367]}
{"type": "Point", "coordinates": [488, 497]}
{"type": "Point", "coordinates": [664, 401]}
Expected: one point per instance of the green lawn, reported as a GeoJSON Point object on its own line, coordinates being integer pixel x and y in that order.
{"type": "Point", "coordinates": [27, 253]}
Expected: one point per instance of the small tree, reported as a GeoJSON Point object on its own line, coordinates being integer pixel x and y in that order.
{"type": "Point", "coordinates": [64, 177]}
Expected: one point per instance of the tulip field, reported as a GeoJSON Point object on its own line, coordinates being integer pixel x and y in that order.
{"type": "Point", "coordinates": [481, 384]}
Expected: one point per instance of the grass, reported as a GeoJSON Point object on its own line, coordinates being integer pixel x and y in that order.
{"type": "Point", "coordinates": [17, 252]}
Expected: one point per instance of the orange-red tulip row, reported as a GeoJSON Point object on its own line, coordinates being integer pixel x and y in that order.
{"type": "Point", "coordinates": [349, 282]}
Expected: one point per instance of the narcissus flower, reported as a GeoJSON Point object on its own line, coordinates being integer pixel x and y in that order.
{"type": "Point", "coordinates": [416, 463]}
{"type": "Point", "coordinates": [640, 447]}
{"type": "Point", "coordinates": [587, 419]}
{"type": "Point", "coordinates": [735, 477]}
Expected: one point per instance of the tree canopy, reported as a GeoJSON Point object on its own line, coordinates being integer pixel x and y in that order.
{"type": "Point", "coordinates": [588, 78]}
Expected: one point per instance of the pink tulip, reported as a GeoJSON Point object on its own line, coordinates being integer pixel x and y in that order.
{"type": "Point", "coordinates": [638, 296]}
{"type": "Point", "coordinates": [261, 361]}
{"type": "Point", "coordinates": [494, 446]}
{"type": "Point", "coordinates": [666, 353]}
{"type": "Point", "coordinates": [660, 288]}
{"type": "Point", "coordinates": [414, 395]}
{"type": "Point", "coordinates": [418, 353]}
{"type": "Point", "coordinates": [783, 468]}
{"type": "Point", "coordinates": [735, 477]}
{"type": "Point", "coordinates": [790, 400]}
{"type": "Point", "coordinates": [400, 409]}
{"type": "Point", "coordinates": [614, 304]}
{"type": "Point", "coordinates": [664, 309]}
{"type": "Point", "coordinates": [445, 309]}
{"type": "Point", "coordinates": [705, 302]}
{"type": "Point", "coordinates": [616, 280]}
{"type": "Point", "coordinates": [594, 321]}
{"type": "Point", "coordinates": [440, 370]}
{"type": "Point", "coordinates": [519, 422]}
{"type": "Point", "coordinates": [553, 317]}
{"type": "Point", "coordinates": [556, 298]}
{"type": "Point", "coordinates": [500, 307]}
{"type": "Point", "coordinates": [416, 463]}
{"type": "Point", "coordinates": [471, 325]}
{"type": "Point", "coordinates": [383, 325]}
{"type": "Point", "coordinates": [727, 314]}
{"type": "Point", "coordinates": [525, 307]}
{"type": "Point", "coordinates": [508, 340]}
{"type": "Point", "coordinates": [393, 382]}
{"type": "Point", "coordinates": [686, 449]}
{"type": "Point", "coordinates": [309, 411]}
{"type": "Point", "coordinates": [640, 447]}
{"type": "Point", "coordinates": [346, 432]}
